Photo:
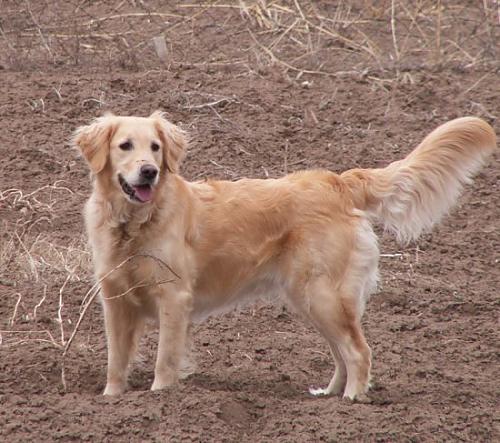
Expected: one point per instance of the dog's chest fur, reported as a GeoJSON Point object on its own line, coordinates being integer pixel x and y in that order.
{"type": "Point", "coordinates": [138, 258]}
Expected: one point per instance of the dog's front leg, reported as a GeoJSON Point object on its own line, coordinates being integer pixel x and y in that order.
{"type": "Point", "coordinates": [174, 310]}
{"type": "Point", "coordinates": [124, 326]}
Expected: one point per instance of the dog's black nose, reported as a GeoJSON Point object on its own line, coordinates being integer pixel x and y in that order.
{"type": "Point", "coordinates": [149, 172]}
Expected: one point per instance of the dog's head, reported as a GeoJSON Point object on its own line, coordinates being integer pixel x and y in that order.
{"type": "Point", "coordinates": [134, 153]}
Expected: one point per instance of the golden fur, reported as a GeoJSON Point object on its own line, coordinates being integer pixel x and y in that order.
{"type": "Point", "coordinates": [306, 236]}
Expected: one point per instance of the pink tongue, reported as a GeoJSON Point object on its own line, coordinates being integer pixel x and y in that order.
{"type": "Point", "coordinates": [144, 193]}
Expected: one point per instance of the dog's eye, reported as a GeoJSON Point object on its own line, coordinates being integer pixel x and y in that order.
{"type": "Point", "coordinates": [155, 146]}
{"type": "Point", "coordinates": [125, 146]}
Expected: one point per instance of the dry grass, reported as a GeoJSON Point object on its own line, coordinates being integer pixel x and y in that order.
{"type": "Point", "coordinates": [45, 270]}
{"type": "Point", "coordinates": [423, 34]}
{"type": "Point", "coordinates": [295, 34]}
{"type": "Point", "coordinates": [44, 266]}
{"type": "Point", "coordinates": [30, 257]}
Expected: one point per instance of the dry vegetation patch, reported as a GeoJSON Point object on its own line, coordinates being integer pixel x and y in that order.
{"type": "Point", "coordinates": [369, 38]}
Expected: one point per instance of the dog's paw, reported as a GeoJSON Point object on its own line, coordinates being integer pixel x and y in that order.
{"type": "Point", "coordinates": [331, 389]}
{"type": "Point", "coordinates": [160, 385]}
{"type": "Point", "coordinates": [114, 389]}
{"type": "Point", "coordinates": [164, 381]}
{"type": "Point", "coordinates": [359, 398]}
{"type": "Point", "coordinates": [318, 392]}
{"type": "Point", "coordinates": [188, 367]}
{"type": "Point", "coordinates": [363, 398]}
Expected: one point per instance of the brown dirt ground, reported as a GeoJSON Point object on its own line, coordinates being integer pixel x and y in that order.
{"type": "Point", "coordinates": [433, 325]}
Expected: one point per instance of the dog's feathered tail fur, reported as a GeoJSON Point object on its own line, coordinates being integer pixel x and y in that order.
{"type": "Point", "coordinates": [412, 194]}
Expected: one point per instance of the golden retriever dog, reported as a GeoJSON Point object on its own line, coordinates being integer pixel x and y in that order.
{"type": "Point", "coordinates": [177, 251]}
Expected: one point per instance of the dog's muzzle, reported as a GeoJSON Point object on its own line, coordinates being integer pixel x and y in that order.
{"type": "Point", "coordinates": [143, 191]}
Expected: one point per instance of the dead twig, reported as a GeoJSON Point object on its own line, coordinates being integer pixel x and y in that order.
{"type": "Point", "coordinates": [19, 198]}
{"type": "Point", "coordinates": [476, 83]}
{"type": "Point", "coordinates": [51, 339]}
{"type": "Point", "coordinates": [139, 286]}
{"type": "Point", "coordinates": [211, 104]}
{"type": "Point", "coordinates": [40, 302]}
{"type": "Point", "coordinates": [393, 31]}
{"type": "Point", "coordinates": [31, 260]}
{"type": "Point", "coordinates": [93, 100]}
{"type": "Point", "coordinates": [131, 15]}
{"type": "Point", "coordinates": [13, 318]}
{"type": "Point", "coordinates": [60, 308]}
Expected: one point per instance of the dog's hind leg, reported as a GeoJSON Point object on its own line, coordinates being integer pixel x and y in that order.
{"type": "Point", "coordinates": [336, 310]}
{"type": "Point", "coordinates": [337, 320]}
{"type": "Point", "coordinates": [124, 327]}
{"type": "Point", "coordinates": [338, 382]}
{"type": "Point", "coordinates": [188, 364]}
{"type": "Point", "coordinates": [357, 357]}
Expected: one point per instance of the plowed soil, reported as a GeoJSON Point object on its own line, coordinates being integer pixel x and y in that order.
{"type": "Point", "coordinates": [254, 106]}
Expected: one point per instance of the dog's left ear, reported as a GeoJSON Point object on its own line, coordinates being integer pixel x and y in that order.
{"type": "Point", "coordinates": [93, 141]}
{"type": "Point", "coordinates": [173, 139]}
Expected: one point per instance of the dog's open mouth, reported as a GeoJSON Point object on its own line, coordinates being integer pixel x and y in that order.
{"type": "Point", "coordinates": [141, 193]}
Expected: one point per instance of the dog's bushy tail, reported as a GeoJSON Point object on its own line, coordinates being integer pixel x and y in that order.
{"type": "Point", "coordinates": [412, 194]}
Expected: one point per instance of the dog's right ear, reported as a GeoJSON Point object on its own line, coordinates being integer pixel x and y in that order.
{"type": "Point", "coordinates": [93, 141]}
